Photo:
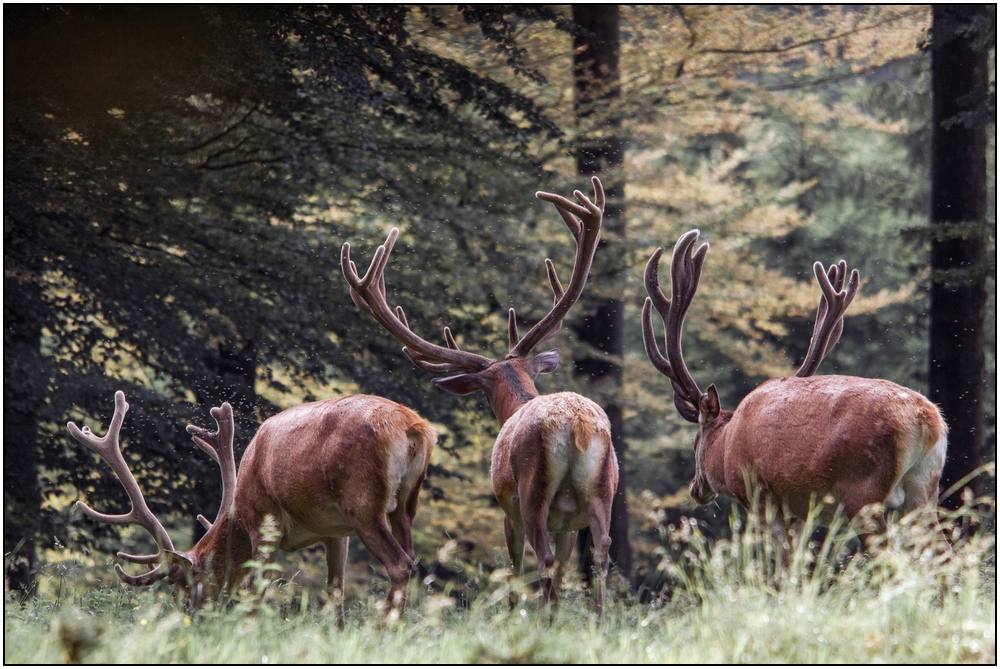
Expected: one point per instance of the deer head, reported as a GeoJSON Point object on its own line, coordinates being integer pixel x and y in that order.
{"type": "Point", "coordinates": [184, 570]}
{"type": "Point", "coordinates": [510, 382]}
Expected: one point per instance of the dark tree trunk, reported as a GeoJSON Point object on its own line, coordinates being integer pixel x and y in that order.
{"type": "Point", "coordinates": [601, 152]}
{"type": "Point", "coordinates": [958, 248]}
{"type": "Point", "coordinates": [22, 497]}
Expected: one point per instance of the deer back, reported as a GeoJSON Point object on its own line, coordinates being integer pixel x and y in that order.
{"type": "Point", "coordinates": [797, 436]}
{"type": "Point", "coordinates": [310, 465]}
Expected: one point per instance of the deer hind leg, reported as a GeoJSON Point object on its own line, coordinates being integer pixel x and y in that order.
{"type": "Point", "coordinates": [513, 531]}
{"type": "Point", "coordinates": [600, 520]}
{"type": "Point", "coordinates": [401, 518]}
{"type": "Point", "coordinates": [378, 539]}
{"type": "Point", "coordinates": [534, 514]}
{"type": "Point", "coordinates": [920, 486]}
{"type": "Point", "coordinates": [920, 482]}
{"type": "Point", "coordinates": [865, 500]}
{"type": "Point", "coordinates": [336, 563]}
{"type": "Point", "coordinates": [564, 548]}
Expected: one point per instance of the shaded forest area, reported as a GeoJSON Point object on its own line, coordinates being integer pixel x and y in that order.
{"type": "Point", "coordinates": [178, 182]}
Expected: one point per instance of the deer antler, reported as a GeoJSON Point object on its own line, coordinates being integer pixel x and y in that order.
{"type": "Point", "coordinates": [584, 223]}
{"type": "Point", "coordinates": [219, 446]}
{"type": "Point", "coordinates": [109, 448]}
{"type": "Point", "coordinates": [830, 313]}
{"type": "Point", "coordinates": [685, 273]}
{"type": "Point", "coordinates": [368, 293]}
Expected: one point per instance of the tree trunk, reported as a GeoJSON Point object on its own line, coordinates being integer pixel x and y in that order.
{"type": "Point", "coordinates": [22, 497]}
{"type": "Point", "coordinates": [958, 247]}
{"type": "Point", "coordinates": [601, 152]}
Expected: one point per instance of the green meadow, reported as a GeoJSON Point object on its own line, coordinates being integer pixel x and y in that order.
{"type": "Point", "coordinates": [911, 598]}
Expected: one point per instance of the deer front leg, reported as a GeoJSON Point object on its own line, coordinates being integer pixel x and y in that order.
{"type": "Point", "coordinates": [773, 519]}
{"type": "Point", "coordinates": [336, 563]}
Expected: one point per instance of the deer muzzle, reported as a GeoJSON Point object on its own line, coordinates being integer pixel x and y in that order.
{"type": "Point", "coordinates": [701, 491]}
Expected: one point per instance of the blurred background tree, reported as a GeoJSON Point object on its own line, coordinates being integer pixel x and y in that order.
{"type": "Point", "coordinates": [963, 107]}
{"type": "Point", "coordinates": [178, 181]}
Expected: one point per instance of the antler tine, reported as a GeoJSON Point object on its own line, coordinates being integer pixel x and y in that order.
{"type": "Point", "coordinates": [685, 274]}
{"type": "Point", "coordinates": [557, 292]}
{"type": "Point", "coordinates": [108, 448]}
{"type": "Point", "coordinates": [139, 559]}
{"type": "Point", "coordinates": [149, 578]}
{"type": "Point", "coordinates": [557, 289]}
{"type": "Point", "coordinates": [584, 223]}
{"type": "Point", "coordinates": [219, 445]}
{"type": "Point", "coordinates": [512, 336]}
{"type": "Point", "coordinates": [649, 340]}
{"type": "Point", "coordinates": [359, 285]}
{"type": "Point", "coordinates": [368, 293]}
{"type": "Point", "coordinates": [830, 314]}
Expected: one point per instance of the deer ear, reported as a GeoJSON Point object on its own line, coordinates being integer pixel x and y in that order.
{"type": "Point", "coordinates": [544, 363]}
{"type": "Point", "coordinates": [709, 406]}
{"type": "Point", "coordinates": [183, 560]}
{"type": "Point", "coordinates": [461, 384]}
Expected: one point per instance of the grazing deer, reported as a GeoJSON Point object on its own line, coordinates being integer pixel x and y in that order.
{"type": "Point", "coordinates": [325, 471]}
{"type": "Point", "coordinates": [553, 467]}
{"type": "Point", "coordinates": [852, 441]}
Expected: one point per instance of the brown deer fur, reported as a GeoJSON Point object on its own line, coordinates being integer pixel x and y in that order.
{"type": "Point", "coordinates": [337, 468]}
{"type": "Point", "coordinates": [324, 471]}
{"type": "Point", "coordinates": [856, 441]}
{"type": "Point", "coordinates": [837, 440]}
{"type": "Point", "coordinates": [554, 469]}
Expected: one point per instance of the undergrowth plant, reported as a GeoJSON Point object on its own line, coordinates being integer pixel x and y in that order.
{"type": "Point", "coordinates": [910, 597]}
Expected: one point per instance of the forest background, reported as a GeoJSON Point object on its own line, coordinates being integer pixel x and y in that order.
{"type": "Point", "coordinates": [178, 182]}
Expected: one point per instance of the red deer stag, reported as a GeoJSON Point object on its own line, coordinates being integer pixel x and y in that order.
{"type": "Point", "coordinates": [553, 467]}
{"type": "Point", "coordinates": [325, 471]}
{"type": "Point", "coordinates": [858, 441]}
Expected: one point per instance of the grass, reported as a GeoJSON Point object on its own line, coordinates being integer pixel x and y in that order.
{"type": "Point", "coordinates": [745, 599]}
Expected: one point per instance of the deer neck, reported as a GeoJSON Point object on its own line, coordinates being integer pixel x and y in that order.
{"type": "Point", "coordinates": [509, 389]}
{"type": "Point", "coordinates": [711, 460]}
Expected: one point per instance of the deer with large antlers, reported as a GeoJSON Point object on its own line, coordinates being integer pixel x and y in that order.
{"type": "Point", "coordinates": [851, 441]}
{"type": "Point", "coordinates": [324, 471]}
{"type": "Point", "coordinates": [553, 467]}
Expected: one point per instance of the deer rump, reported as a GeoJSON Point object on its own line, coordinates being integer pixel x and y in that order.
{"type": "Point", "coordinates": [880, 443]}
{"type": "Point", "coordinates": [324, 465]}
{"type": "Point", "coordinates": [557, 449]}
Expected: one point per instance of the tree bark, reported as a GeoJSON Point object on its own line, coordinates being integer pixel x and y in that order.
{"type": "Point", "coordinates": [601, 152]}
{"type": "Point", "coordinates": [958, 248]}
{"type": "Point", "coordinates": [22, 497]}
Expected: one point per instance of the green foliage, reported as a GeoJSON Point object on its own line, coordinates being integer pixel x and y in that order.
{"type": "Point", "coordinates": [178, 182]}
{"type": "Point", "coordinates": [178, 238]}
